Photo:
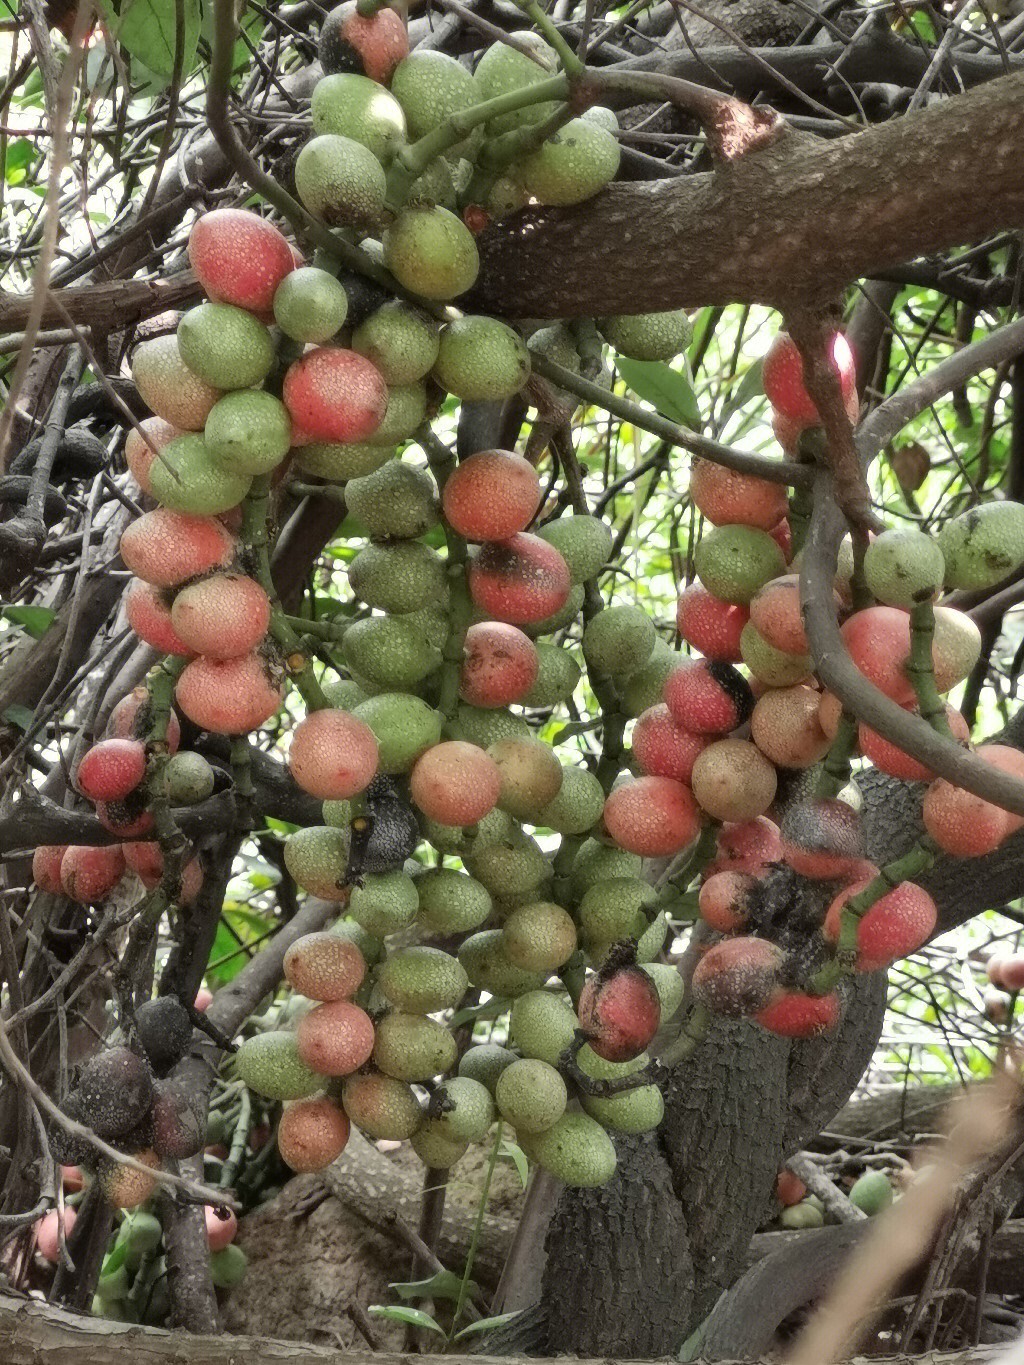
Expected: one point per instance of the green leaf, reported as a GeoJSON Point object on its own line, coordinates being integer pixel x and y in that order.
{"type": "Point", "coordinates": [484, 1325]}
{"type": "Point", "coordinates": [511, 1151]}
{"type": "Point", "coordinates": [227, 952]}
{"type": "Point", "coordinates": [412, 1317]}
{"type": "Point", "coordinates": [670, 392]}
{"type": "Point", "coordinates": [147, 30]}
{"type": "Point", "coordinates": [749, 387]}
{"type": "Point", "coordinates": [490, 1009]}
{"type": "Point", "coordinates": [20, 155]}
{"type": "Point", "coordinates": [36, 620]}
{"type": "Point", "coordinates": [444, 1285]}
{"type": "Point", "coordinates": [18, 715]}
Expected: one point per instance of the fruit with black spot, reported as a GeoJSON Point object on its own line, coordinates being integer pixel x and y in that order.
{"type": "Point", "coordinates": [248, 432]}
{"type": "Point", "coordinates": [577, 806]}
{"type": "Point", "coordinates": [531, 1095]}
{"type": "Point", "coordinates": [269, 1063]}
{"type": "Point", "coordinates": [481, 359]}
{"type": "Point", "coordinates": [455, 783]}
{"type": "Point", "coordinates": [982, 546]}
{"type": "Point", "coordinates": [782, 376]}
{"type": "Point", "coordinates": [577, 1151]}
{"type": "Point", "coordinates": [503, 69]}
{"type": "Point", "coordinates": [89, 874]}
{"type": "Point", "coordinates": [491, 495]}
{"type": "Point", "coordinates": [499, 666]}
{"type": "Point", "coordinates": [165, 1031]}
{"type": "Point", "coordinates": [333, 394]}
{"type": "Point", "coordinates": [647, 336]}
{"type": "Point", "coordinates": [483, 956]}
{"type": "Point", "coordinates": [311, 1134]}
{"type": "Point", "coordinates": [519, 580]}
{"type": "Point", "coordinates": [727, 497]}
{"type": "Point", "coordinates": [114, 1092]}
{"type": "Point", "coordinates": [530, 775]}
{"type": "Point", "coordinates": [168, 386]}
{"type": "Point", "coordinates": [467, 1110]}
{"type": "Point", "coordinates": [823, 839]}
{"type": "Point", "coordinates": [539, 937]}
{"type": "Point", "coordinates": [225, 346]}
{"type": "Point", "coordinates": [239, 258]}
{"type": "Point", "coordinates": [341, 181]}
{"type": "Point", "coordinates": [733, 562]}
{"type": "Point", "coordinates": [381, 1106]}
{"type": "Point", "coordinates": [708, 698]}
{"type": "Point", "coordinates": [396, 502]}
{"type": "Point", "coordinates": [413, 1047]}
{"type": "Point", "coordinates": [724, 901]}
{"type": "Point", "coordinates": [619, 1008]}
{"type": "Point", "coordinates": [316, 859]}
{"type": "Point", "coordinates": [400, 340]}
{"type": "Point", "coordinates": [166, 548]}
{"type": "Point", "coordinates": [618, 640]}
{"type": "Point", "coordinates": [737, 977]}
{"type": "Point", "coordinates": [431, 252]}
{"type": "Point", "coordinates": [905, 566]}
{"type": "Point", "coordinates": [371, 44]}
{"type": "Point", "coordinates": [353, 106]}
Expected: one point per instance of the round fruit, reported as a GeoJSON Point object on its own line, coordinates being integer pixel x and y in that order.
{"type": "Point", "coordinates": [530, 774]}
{"type": "Point", "coordinates": [225, 346]}
{"type": "Point", "coordinates": [540, 937]}
{"type": "Point", "coordinates": [618, 640]}
{"type": "Point", "coordinates": [961, 823]}
{"type": "Point", "coordinates": [633, 1111]}
{"type": "Point", "coordinates": [662, 748]}
{"type": "Point", "coordinates": [382, 1107]}
{"type": "Point", "coordinates": [335, 1039]}
{"type": "Point", "coordinates": [432, 253]}
{"type": "Point", "coordinates": [404, 727]}
{"type": "Point", "coordinates": [335, 395]}
{"type": "Point", "coordinates": [399, 340]}
{"type": "Point", "coordinates": [982, 546]}
{"type": "Point", "coordinates": [356, 107]}
{"type": "Point", "coordinates": [491, 495]}
{"type": "Point", "coordinates": [413, 1047]}
{"type": "Point", "coordinates": [571, 165]}
{"type": "Point", "coordinates": [902, 567]}
{"type": "Point", "coordinates": [709, 625]}
{"type": "Point", "coordinates": [339, 462]}
{"type": "Point", "coordinates": [221, 617]}
{"type": "Point", "coordinates": [485, 727]}
{"type": "Point", "coordinates": [956, 647]}
{"type": "Point", "coordinates": [596, 862]}
{"type": "Point", "coordinates": [397, 502]}
{"type": "Point", "coordinates": [455, 783]}
{"type": "Point", "coordinates": [500, 665]}
{"type": "Point", "coordinates": [434, 1149]}
{"type": "Point", "coordinates": [531, 1095]}
{"type": "Point", "coordinates": [578, 804]}
{"type": "Point", "coordinates": [311, 1134]}
{"type": "Point", "coordinates": [724, 901]}
{"type": "Point", "coordinates": [239, 258]}
{"type": "Point", "coordinates": [88, 875]}
{"type": "Point", "coordinates": [310, 305]}
{"type": "Point", "coordinates": [783, 377]}
{"type": "Point", "coordinates": [324, 967]}
{"type": "Point", "coordinates": [142, 445]}
{"type": "Point", "coordinates": [248, 432]}
{"type": "Point", "coordinates": [373, 44]}
{"type": "Point", "coordinates": [168, 386]}
{"type": "Point", "coordinates": [390, 651]}
{"type": "Point", "coordinates": [620, 1012]}
{"type": "Point", "coordinates": [406, 409]}
{"type": "Point", "coordinates": [786, 728]}
{"type": "Point", "coordinates": [132, 717]}
{"type": "Point", "coordinates": [123, 1186]}
{"type": "Point", "coordinates": [733, 562]}
{"type": "Point", "coordinates": [519, 580]}
{"type": "Point", "coordinates": [564, 616]}
{"type": "Point", "coordinates": [333, 755]}
{"type": "Point", "coordinates": [317, 858]}
{"type": "Point", "coordinates": [738, 977]}
{"type": "Point", "coordinates": [422, 980]}
{"type": "Point", "coordinates": [775, 612]}
{"type": "Point", "coordinates": [48, 1229]}
{"type": "Point", "coordinates": [269, 1063]}
{"type": "Point", "coordinates": [450, 902]}
{"type": "Point", "coordinates": [228, 1267]}
{"type": "Point", "coordinates": [165, 548]}
{"type": "Point", "coordinates": [111, 769]}
{"type": "Point", "coordinates": [613, 909]}
{"type": "Point", "coordinates": [470, 1112]}
{"type": "Point", "coordinates": [647, 336]}
{"type": "Point", "coordinates": [503, 68]}
{"type": "Point", "coordinates": [585, 543]}
{"type": "Point", "coordinates": [823, 839]}
{"type": "Point", "coordinates": [708, 698]}
{"type": "Point", "coordinates": [228, 696]}
{"type": "Point", "coordinates": [770, 666]}
{"type": "Point", "coordinates": [485, 1062]}
{"type": "Point", "coordinates": [341, 181]}
{"type": "Point", "coordinates": [894, 927]}
{"type": "Point", "coordinates": [46, 860]}
{"type": "Point", "coordinates": [398, 578]}
{"type": "Point", "coordinates": [577, 1151]}
{"type": "Point", "coordinates": [726, 497]}
{"type": "Point", "coordinates": [481, 360]}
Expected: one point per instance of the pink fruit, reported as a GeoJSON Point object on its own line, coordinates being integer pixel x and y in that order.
{"type": "Point", "coordinates": [708, 698]}
{"type": "Point", "coordinates": [221, 1227]}
{"type": "Point", "coordinates": [491, 495]}
{"type": "Point", "coordinates": [500, 665]}
{"type": "Point", "coordinates": [130, 720]}
{"type": "Point", "coordinates": [728, 498]}
{"type": "Point", "coordinates": [312, 1133]}
{"type": "Point", "coordinates": [46, 862]}
{"type": "Point", "coordinates": [149, 616]}
{"type": "Point", "coordinates": [48, 1236]}
{"type": "Point", "coordinates": [111, 769]}
{"type": "Point", "coordinates": [889, 758]}
{"type": "Point", "coordinates": [335, 1039]}
{"type": "Point", "coordinates": [895, 926]}
{"type": "Point", "coordinates": [791, 1014]}
{"type": "Point", "coordinates": [722, 901]}
{"type": "Point", "coordinates": [147, 862]}
{"type": "Point", "coordinates": [737, 977]}
{"type": "Point", "coordinates": [775, 612]}
{"type": "Point", "coordinates": [662, 748]}
{"type": "Point", "coordinates": [620, 1012]}
{"type": "Point", "coordinates": [333, 755]}
{"type": "Point", "coordinates": [824, 840]}
{"type": "Point", "coordinates": [203, 1000]}
{"type": "Point", "coordinates": [324, 967]}
{"type": "Point", "coordinates": [878, 639]}
{"type": "Point", "coordinates": [228, 696]}
{"type": "Point", "coordinates": [748, 846]}
{"type": "Point", "coordinates": [709, 625]}
{"type": "Point", "coordinates": [239, 258]}
{"type": "Point", "coordinates": [141, 445]}
{"type": "Point", "coordinates": [88, 874]}
{"type": "Point", "coordinates": [519, 580]}
{"type": "Point", "coordinates": [335, 395]}
{"type": "Point", "coordinates": [72, 1179]}
{"type": "Point", "coordinates": [222, 617]}
{"type": "Point", "coordinates": [652, 816]}
{"type": "Point", "coordinates": [455, 783]}
{"type": "Point", "coordinates": [961, 823]}
{"type": "Point", "coordinates": [165, 548]}
{"type": "Point", "coordinates": [783, 377]}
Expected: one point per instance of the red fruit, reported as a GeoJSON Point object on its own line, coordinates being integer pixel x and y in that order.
{"type": "Point", "coordinates": [783, 377]}
{"type": "Point", "coordinates": [335, 1039]}
{"type": "Point", "coordinates": [239, 258]}
{"type": "Point", "coordinates": [707, 697]}
{"type": "Point", "coordinates": [130, 719]}
{"type": "Point", "coordinates": [1011, 972]}
{"type": "Point", "coordinates": [141, 445]}
{"type": "Point", "coordinates": [221, 1227]}
{"type": "Point", "coordinates": [709, 625]}
{"type": "Point", "coordinates": [737, 977]}
{"type": "Point", "coordinates": [500, 665]}
{"type": "Point", "coordinates": [775, 612]}
{"type": "Point", "coordinates": [88, 875]}
{"type": "Point", "coordinates": [823, 839]}
{"type": "Point", "coordinates": [652, 816]}
{"type": "Point", "coordinates": [728, 498]}
{"type": "Point", "coordinates": [228, 696]}
{"type": "Point", "coordinates": [620, 1012]}
{"type": "Point", "coordinates": [222, 617]}
{"type": "Point", "coordinates": [791, 1014]}
{"type": "Point", "coordinates": [111, 769]}
{"type": "Point", "coordinates": [373, 45]}
{"type": "Point", "coordinates": [48, 1233]}
{"type": "Point", "coordinates": [127, 819]}
{"type": "Point", "coordinates": [878, 639]}
{"type": "Point", "coordinates": [333, 755]}
{"type": "Point", "coordinates": [723, 900]}
{"type": "Point", "coordinates": [961, 823]}
{"type": "Point", "coordinates": [491, 495]}
{"type": "Point", "coordinates": [46, 862]}
{"type": "Point", "coordinates": [750, 846]}
{"type": "Point", "coordinates": [150, 617]}
{"type": "Point", "coordinates": [888, 758]}
{"type": "Point", "coordinates": [787, 433]}
{"type": "Point", "coordinates": [789, 1188]}
{"type": "Point", "coordinates": [895, 926]}
{"type": "Point", "coordinates": [312, 1133]}
{"type": "Point", "coordinates": [782, 534]}
{"type": "Point", "coordinates": [521, 579]}
{"type": "Point", "coordinates": [165, 548]}
{"type": "Point", "coordinates": [72, 1179]}
{"type": "Point", "coordinates": [335, 395]}
{"type": "Point", "coordinates": [455, 783]}
{"type": "Point", "coordinates": [662, 748]}
{"type": "Point", "coordinates": [1007, 760]}
{"type": "Point", "coordinates": [147, 862]}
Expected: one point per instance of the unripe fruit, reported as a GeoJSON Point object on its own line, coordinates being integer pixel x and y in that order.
{"type": "Point", "coordinates": [413, 1047]}
{"type": "Point", "coordinates": [228, 696]}
{"type": "Point", "coordinates": [485, 1062]}
{"type": "Point", "coordinates": [894, 927]}
{"type": "Point", "coordinates": [540, 937]}
{"type": "Point", "coordinates": [455, 783]}
{"type": "Point", "coordinates": [335, 395]}
{"type": "Point", "coordinates": [643, 689]}
{"type": "Point", "coordinates": [471, 1110]}
{"type": "Point", "coordinates": [564, 616]}
{"type": "Point", "coordinates": [335, 1039]}
{"type": "Point", "coordinates": [450, 902]}
{"type": "Point", "coordinates": [382, 1107]}
{"type": "Point", "coordinates": [503, 69]}
{"type": "Point", "coordinates": [982, 546]}
{"type": "Point", "coordinates": [577, 1151]}
{"type": "Point", "coordinates": [316, 859]}
{"type": "Point", "coordinates": [531, 1095]}
{"type": "Point", "coordinates": [396, 502]}
{"type": "Point", "coordinates": [248, 433]}
{"type": "Point", "coordinates": [168, 386]}
{"type": "Point", "coordinates": [500, 665]}
{"type": "Point", "coordinates": [437, 1151]}
{"type": "Point", "coordinates": [88, 875]}
{"type": "Point", "coordinates": [710, 625]}
{"type": "Point", "coordinates": [432, 253]}
{"type": "Point", "coordinates": [770, 666]}
{"type": "Point", "coordinates": [311, 1134]}
{"type": "Point", "coordinates": [613, 909]}
{"type": "Point", "coordinates": [578, 804]}
{"type": "Point", "coordinates": [111, 769]}
{"type": "Point", "coordinates": [519, 580]}
{"type": "Point", "coordinates": [483, 956]}
{"type": "Point", "coordinates": [485, 727]}
{"type": "Point", "coordinates": [708, 698]}
{"type": "Point", "coordinates": [491, 495]}
{"type": "Point", "coordinates": [902, 567]}
{"type": "Point", "coordinates": [792, 1014]}
{"type": "Point", "coordinates": [123, 1186]}
{"type": "Point", "coordinates": [406, 409]}
{"type": "Point", "coordinates": [619, 1012]}
{"type": "Point", "coordinates": [46, 861]}
{"type": "Point", "coordinates": [187, 479]}
{"type": "Point", "coordinates": [775, 611]}
{"type": "Point", "coordinates": [618, 640]}
{"type": "Point", "coordinates": [632, 1111]}
{"type": "Point", "coordinates": [385, 903]}
{"type": "Point", "coordinates": [228, 1267]}
{"type": "Point", "coordinates": [596, 862]}
{"type": "Point", "coordinates": [422, 980]}
{"type": "Point", "coordinates": [558, 675]}
{"type": "Point", "coordinates": [338, 462]}
{"type": "Point", "coordinates": [785, 726]}
{"type": "Point", "coordinates": [356, 107]}
{"type": "Point", "coordinates": [403, 726]}
{"type": "Point", "coordinates": [149, 615]}
{"type": "Point", "coordinates": [585, 543]}
{"type": "Point", "coordinates": [188, 779]}
{"type": "Point", "coordinates": [878, 639]}
{"type": "Point", "coordinates": [239, 258]}
{"type": "Point", "coordinates": [165, 548]}
{"type": "Point", "coordinates": [142, 445]}
{"type": "Point", "coordinates": [399, 340]}
{"type": "Point", "coordinates": [310, 305]}
{"type": "Point", "coordinates": [783, 377]}
{"type": "Point", "coordinates": [325, 967]}
{"type": "Point", "coordinates": [571, 165]}
{"type": "Point", "coordinates": [737, 977]}
{"type": "Point", "coordinates": [542, 1025]}
{"type": "Point", "coordinates": [481, 360]}
{"type": "Point", "coordinates": [431, 86]}
{"type": "Point", "coordinates": [647, 336]}
{"type": "Point", "coordinates": [333, 755]}
{"type": "Point", "coordinates": [341, 181]}
{"type": "Point", "coordinates": [654, 817]}
{"type": "Point", "coordinates": [871, 1192]}
{"type": "Point", "coordinates": [662, 748]}
{"type": "Point", "coordinates": [889, 758]}
{"type": "Point", "coordinates": [222, 617]}
{"type": "Point", "coordinates": [726, 497]}
{"type": "Point", "coordinates": [225, 346]}
{"type": "Point", "coordinates": [530, 775]}
{"type": "Point", "coordinates": [732, 562]}
{"type": "Point", "coordinates": [724, 900]}
{"type": "Point", "coordinates": [373, 45]}
{"type": "Point", "coordinates": [961, 823]}
{"type": "Point", "coordinates": [750, 846]}
{"type": "Point", "coordinates": [269, 1063]}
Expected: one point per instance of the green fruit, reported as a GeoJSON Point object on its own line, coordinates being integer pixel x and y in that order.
{"type": "Point", "coordinates": [249, 432]}
{"type": "Point", "coordinates": [451, 902]}
{"type": "Point", "coordinates": [613, 909]}
{"type": "Point", "coordinates": [413, 1047]}
{"type": "Point", "coordinates": [539, 937]}
{"type": "Point", "coordinates": [371, 947]}
{"type": "Point", "coordinates": [903, 567]}
{"type": "Point", "coordinates": [404, 726]}
{"type": "Point", "coordinates": [485, 1063]}
{"type": "Point", "coordinates": [732, 562]}
{"type": "Point", "coordinates": [341, 181]}
{"type": "Point", "coordinates": [558, 675]}
{"type": "Point", "coordinates": [577, 1150]}
{"type": "Point", "coordinates": [772, 666]}
{"type": "Point", "coordinates": [188, 778]}
{"type": "Point", "coordinates": [531, 776]}
{"type": "Point", "coordinates": [432, 253]}
{"type": "Point", "coordinates": [531, 1095]}
{"type": "Point", "coordinates": [228, 1266]}
{"type": "Point", "coordinates": [340, 463]}
{"type": "Point", "coordinates": [397, 502]}
{"type": "Point", "coordinates": [652, 940]}
{"type": "Point", "coordinates": [142, 1233]}
{"type": "Point", "coordinates": [648, 336]}
{"type": "Point", "coordinates": [506, 196]}
{"type": "Point", "coordinates": [802, 1215]}
{"type": "Point", "coordinates": [871, 1192]}
{"type": "Point", "coordinates": [337, 813]}
{"type": "Point", "coordinates": [316, 859]}
{"type": "Point", "coordinates": [585, 543]}
{"type": "Point", "coordinates": [113, 1285]}
{"type": "Point", "coordinates": [596, 862]}
{"type": "Point", "coordinates": [669, 985]}
{"type": "Point", "coordinates": [557, 344]}
{"type": "Point", "coordinates": [630, 1111]}
{"type": "Point", "coordinates": [481, 359]}
{"type": "Point", "coordinates": [472, 1111]}
{"type": "Point", "coordinates": [186, 478]}
{"type": "Point", "coordinates": [503, 69]}
{"type": "Point", "coordinates": [431, 86]}
{"type": "Point", "coordinates": [382, 1107]}
{"type": "Point", "coordinates": [392, 651]}
{"type": "Point", "coordinates": [542, 1025]}
{"type": "Point", "coordinates": [982, 546]}
{"type": "Point", "coordinates": [356, 107]}
{"type": "Point", "coordinates": [401, 342]}
{"type": "Point", "coordinates": [483, 727]}
{"type": "Point", "coordinates": [485, 962]}
{"type": "Point", "coordinates": [435, 1149]}
{"type": "Point", "coordinates": [269, 1063]}
{"type": "Point", "coordinates": [563, 617]}
{"type": "Point", "coordinates": [956, 646]}
{"type": "Point", "coordinates": [422, 980]}
{"type": "Point", "coordinates": [602, 116]}
{"type": "Point", "coordinates": [511, 868]}
{"type": "Point", "coordinates": [226, 346]}
{"type": "Point", "coordinates": [495, 828]}
{"type": "Point", "coordinates": [310, 305]}
{"type": "Point", "coordinates": [578, 805]}
{"type": "Point", "coordinates": [384, 903]}
{"type": "Point", "coordinates": [398, 578]}
{"type": "Point", "coordinates": [434, 623]}
{"type": "Point", "coordinates": [572, 165]}
{"type": "Point", "coordinates": [343, 693]}
{"type": "Point", "coordinates": [643, 689]}
{"type": "Point", "coordinates": [618, 640]}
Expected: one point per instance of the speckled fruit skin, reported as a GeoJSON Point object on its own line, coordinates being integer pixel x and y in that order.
{"type": "Point", "coordinates": [961, 823]}
{"type": "Point", "coordinates": [878, 639]}
{"type": "Point", "coordinates": [620, 1014]}
{"type": "Point", "coordinates": [147, 861]}
{"type": "Point", "coordinates": [708, 698]}
{"type": "Point", "coordinates": [165, 548]}
{"type": "Point", "coordinates": [227, 696]}
{"type": "Point", "coordinates": [128, 819]}
{"type": "Point", "coordinates": [888, 758]}
{"type": "Point", "coordinates": [46, 862]}
{"type": "Point", "coordinates": [500, 665]}
{"type": "Point", "coordinates": [335, 395]}
{"type": "Point", "coordinates": [335, 1039]}
{"type": "Point", "coordinates": [791, 1014]}
{"type": "Point", "coordinates": [455, 783]}
{"type": "Point", "coordinates": [726, 497]}
{"type": "Point", "coordinates": [737, 978]}
{"type": "Point", "coordinates": [823, 839]}
{"type": "Point", "coordinates": [139, 448]}
{"type": "Point", "coordinates": [333, 755]}
{"type": "Point", "coordinates": [786, 727]}
{"type": "Point", "coordinates": [1008, 760]}
{"type": "Point", "coordinates": [123, 1186]}
{"type": "Point", "coordinates": [662, 748]}
{"type": "Point", "coordinates": [129, 718]}
{"type": "Point", "coordinates": [373, 46]}
{"type": "Point", "coordinates": [324, 967]}
{"type": "Point", "coordinates": [111, 769]}
{"type": "Point", "coordinates": [221, 1227]}
{"type": "Point", "coordinates": [747, 846]}
{"type": "Point", "coordinates": [732, 780]}
{"type": "Point", "coordinates": [168, 386]}
{"type": "Point", "coordinates": [783, 377]}
{"type": "Point", "coordinates": [222, 617]}
{"type": "Point", "coordinates": [311, 1134]}
{"type": "Point", "coordinates": [88, 875]}
{"type": "Point", "coordinates": [722, 900]}
{"type": "Point", "coordinates": [239, 258]}
{"type": "Point", "coordinates": [895, 926]}
{"type": "Point", "coordinates": [652, 816]}
{"type": "Point", "coordinates": [491, 495]}
{"type": "Point", "coordinates": [149, 616]}
{"type": "Point", "coordinates": [519, 580]}
{"type": "Point", "coordinates": [830, 713]}
{"type": "Point", "coordinates": [431, 252]}
{"type": "Point", "coordinates": [710, 625]}
{"type": "Point", "coordinates": [775, 611]}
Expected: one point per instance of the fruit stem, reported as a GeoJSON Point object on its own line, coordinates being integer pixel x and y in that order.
{"type": "Point", "coordinates": [238, 1139]}
{"type": "Point", "coordinates": [173, 844]}
{"type": "Point", "coordinates": [692, 1034]}
{"type": "Point", "coordinates": [478, 1224]}
{"type": "Point", "coordinates": [331, 631]}
{"type": "Point", "coordinates": [920, 668]}
{"type": "Point", "coordinates": [460, 607]}
{"type": "Point", "coordinates": [835, 771]}
{"type": "Point", "coordinates": [241, 771]}
{"type": "Point", "coordinates": [571, 64]}
{"type": "Point", "coordinates": [500, 152]}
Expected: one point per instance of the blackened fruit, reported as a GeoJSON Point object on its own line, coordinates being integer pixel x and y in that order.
{"type": "Point", "coordinates": [737, 978]}
{"type": "Point", "coordinates": [165, 1031]}
{"type": "Point", "coordinates": [372, 46]}
{"type": "Point", "coordinates": [707, 697]}
{"type": "Point", "coordinates": [114, 1092]}
{"type": "Point", "coordinates": [619, 1010]}
{"type": "Point", "coordinates": [823, 839]}
{"type": "Point", "coordinates": [179, 1117]}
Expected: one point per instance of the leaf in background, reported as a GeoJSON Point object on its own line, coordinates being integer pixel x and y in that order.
{"type": "Point", "coordinates": [749, 387]}
{"type": "Point", "coordinates": [238, 926]}
{"type": "Point", "coordinates": [36, 620]}
{"type": "Point", "coordinates": [20, 155]}
{"type": "Point", "coordinates": [511, 1151]}
{"type": "Point", "coordinates": [21, 716]}
{"type": "Point", "coordinates": [444, 1285]}
{"type": "Point", "coordinates": [669, 391]}
{"type": "Point", "coordinates": [484, 1325]}
{"type": "Point", "coordinates": [413, 1317]}
{"type": "Point", "coordinates": [147, 30]}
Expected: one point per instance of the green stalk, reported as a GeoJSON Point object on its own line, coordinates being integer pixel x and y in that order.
{"type": "Point", "coordinates": [920, 668]}
{"type": "Point", "coordinates": [835, 771]}
{"type": "Point", "coordinates": [460, 606]}
{"type": "Point", "coordinates": [694, 1031]}
{"type": "Point", "coordinates": [478, 1224]}
{"type": "Point", "coordinates": [571, 64]}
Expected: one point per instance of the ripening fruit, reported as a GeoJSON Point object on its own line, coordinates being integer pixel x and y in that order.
{"type": "Point", "coordinates": [335, 1039]}
{"type": "Point", "coordinates": [333, 755]}
{"type": "Point", "coordinates": [373, 45]}
{"type": "Point", "coordinates": [165, 548]}
{"type": "Point", "coordinates": [823, 839]}
{"type": "Point", "coordinates": [726, 497]}
{"type": "Point", "coordinates": [540, 937]}
{"type": "Point", "coordinates": [894, 927]}
{"type": "Point", "coordinates": [530, 774]}
{"type": "Point", "coordinates": [792, 1014]}
{"type": "Point", "coordinates": [789, 1188]}
{"type": "Point", "coordinates": [491, 495]}
{"type": "Point", "coordinates": [785, 726]}
{"type": "Point", "coordinates": [1008, 760]}
{"type": "Point", "coordinates": [341, 181]}
{"type": "Point", "coordinates": [248, 432]}
{"type": "Point", "coordinates": [830, 713]}
{"type": "Point", "coordinates": [228, 696]}
{"type": "Point", "coordinates": [431, 252]}
{"type": "Point", "coordinates": [89, 874]}
{"type": "Point", "coordinates": [335, 395]}
{"type": "Point", "coordinates": [904, 566]}
{"type": "Point", "coordinates": [733, 562]}
{"type": "Point", "coordinates": [981, 546]}
{"type": "Point", "coordinates": [47, 1231]}
{"type": "Point", "coordinates": [750, 846]}
{"type": "Point", "coordinates": [269, 1063]}
{"type": "Point", "coordinates": [130, 719]}
{"type": "Point", "coordinates": [585, 543]}
{"type": "Point", "coordinates": [662, 748]}
{"type": "Point", "coordinates": [359, 108]}
{"type": "Point", "coordinates": [578, 804]}
{"type": "Point", "coordinates": [519, 580]}
{"type": "Point", "coordinates": [737, 977]}
{"type": "Point", "coordinates": [404, 727]}
{"type": "Point", "coordinates": [724, 900]}
{"type": "Point", "coordinates": [310, 305]}
{"type": "Point", "coordinates": [324, 967]}
{"type": "Point", "coordinates": [149, 615]}
{"type": "Point", "coordinates": [316, 859]}
{"type": "Point", "coordinates": [619, 1012]}
{"type": "Point", "coordinates": [111, 769]}
{"type": "Point", "coordinates": [618, 640]}
{"type": "Point", "coordinates": [413, 1047]}
{"type": "Point", "coordinates": [225, 346]}
{"type": "Point", "coordinates": [709, 625]}
{"type": "Point", "coordinates": [141, 446]}
{"type": "Point", "coordinates": [167, 385]}
{"type": "Point", "coordinates": [770, 666]}
{"type": "Point", "coordinates": [571, 165]}
{"type": "Point", "coordinates": [654, 817]}
{"type": "Point", "coordinates": [783, 377]}
{"type": "Point", "coordinates": [46, 861]}
{"type": "Point", "coordinates": [889, 758]}
{"type": "Point", "coordinates": [455, 783]}
{"type": "Point", "coordinates": [239, 258]}
{"type": "Point", "coordinates": [956, 647]}
{"type": "Point", "coordinates": [396, 502]}
{"type": "Point", "coordinates": [311, 1134]}
{"type": "Point", "coordinates": [483, 956]}
{"type": "Point", "coordinates": [499, 667]}
{"type": "Point", "coordinates": [708, 698]}
{"type": "Point", "coordinates": [421, 980]}
{"type": "Point", "coordinates": [878, 639]}
{"type": "Point", "coordinates": [577, 1151]}
{"type": "Point", "coordinates": [531, 1095]}
{"type": "Point", "coordinates": [221, 617]}
{"type": "Point", "coordinates": [123, 1186]}
{"type": "Point", "coordinates": [481, 359]}
{"type": "Point", "coordinates": [732, 780]}
{"type": "Point", "coordinates": [775, 611]}
{"type": "Point", "coordinates": [147, 861]}
{"type": "Point", "coordinates": [381, 1106]}
{"type": "Point", "coordinates": [961, 823]}
{"type": "Point", "coordinates": [647, 336]}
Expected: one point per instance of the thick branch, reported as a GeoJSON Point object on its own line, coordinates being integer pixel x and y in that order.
{"type": "Point", "coordinates": [107, 307]}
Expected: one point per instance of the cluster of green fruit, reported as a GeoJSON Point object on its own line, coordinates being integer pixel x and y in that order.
{"type": "Point", "coordinates": [871, 1192]}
